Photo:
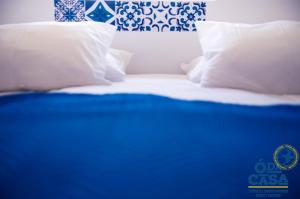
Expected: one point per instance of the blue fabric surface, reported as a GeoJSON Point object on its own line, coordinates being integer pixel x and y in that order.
{"type": "Point", "coordinates": [55, 146]}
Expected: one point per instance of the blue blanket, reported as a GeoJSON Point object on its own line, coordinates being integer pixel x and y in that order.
{"type": "Point", "coordinates": [55, 146]}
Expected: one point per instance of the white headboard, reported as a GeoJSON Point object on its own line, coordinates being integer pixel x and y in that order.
{"type": "Point", "coordinates": [156, 52]}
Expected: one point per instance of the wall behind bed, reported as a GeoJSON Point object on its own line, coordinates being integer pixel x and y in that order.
{"type": "Point", "coordinates": [163, 52]}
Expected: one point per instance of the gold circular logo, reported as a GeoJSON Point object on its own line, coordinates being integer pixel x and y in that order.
{"type": "Point", "coordinates": [286, 157]}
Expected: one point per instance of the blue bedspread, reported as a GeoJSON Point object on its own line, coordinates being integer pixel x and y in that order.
{"type": "Point", "coordinates": [55, 146]}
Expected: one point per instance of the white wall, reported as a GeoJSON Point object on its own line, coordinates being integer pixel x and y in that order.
{"type": "Point", "coordinates": [163, 52]}
{"type": "Point", "coordinates": [253, 11]}
{"type": "Point", "coordinates": [18, 11]}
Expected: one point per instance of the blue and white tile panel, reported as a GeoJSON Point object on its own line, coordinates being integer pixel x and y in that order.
{"type": "Point", "coordinates": [133, 15]}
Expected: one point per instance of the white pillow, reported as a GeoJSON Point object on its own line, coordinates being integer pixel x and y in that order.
{"type": "Point", "coordinates": [193, 69]}
{"type": "Point", "coordinates": [117, 62]}
{"type": "Point", "coordinates": [261, 58]}
{"type": "Point", "coordinates": [52, 55]}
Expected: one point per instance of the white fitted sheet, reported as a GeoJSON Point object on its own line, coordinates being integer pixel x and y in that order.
{"type": "Point", "coordinates": [179, 87]}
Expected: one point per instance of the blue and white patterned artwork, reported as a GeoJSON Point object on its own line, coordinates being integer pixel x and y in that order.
{"type": "Point", "coordinates": [133, 15]}
{"type": "Point", "coordinates": [69, 10]}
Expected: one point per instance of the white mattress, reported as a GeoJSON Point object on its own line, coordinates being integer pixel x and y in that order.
{"type": "Point", "coordinates": [177, 86]}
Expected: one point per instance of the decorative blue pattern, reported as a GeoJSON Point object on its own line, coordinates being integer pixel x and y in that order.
{"type": "Point", "coordinates": [160, 16]}
{"type": "Point", "coordinates": [69, 10]}
{"type": "Point", "coordinates": [188, 13]}
{"type": "Point", "coordinates": [100, 10]}
{"type": "Point", "coordinates": [130, 16]}
{"type": "Point", "coordinates": [156, 16]}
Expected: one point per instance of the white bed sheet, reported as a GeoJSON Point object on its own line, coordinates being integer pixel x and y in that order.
{"type": "Point", "coordinates": [179, 87]}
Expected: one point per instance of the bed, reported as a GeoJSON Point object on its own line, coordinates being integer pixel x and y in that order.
{"type": "Point", "coordinates": [151, 136]}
